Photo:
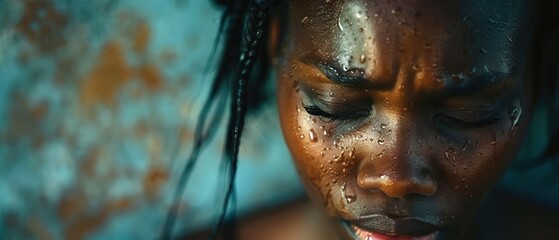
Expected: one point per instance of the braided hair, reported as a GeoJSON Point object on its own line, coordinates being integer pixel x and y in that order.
{"type": "Point", "coordinates": [242, 51]}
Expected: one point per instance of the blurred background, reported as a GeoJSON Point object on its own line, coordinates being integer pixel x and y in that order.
{"type": "Point", "coordinates": [94, 96]}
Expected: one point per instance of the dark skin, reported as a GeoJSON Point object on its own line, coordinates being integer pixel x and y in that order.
{"type": "Point", "coordinates": [402, 115]}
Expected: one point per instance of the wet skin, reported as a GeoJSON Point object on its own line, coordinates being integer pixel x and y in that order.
{"type": "Point", "coordinates": [402, 115]}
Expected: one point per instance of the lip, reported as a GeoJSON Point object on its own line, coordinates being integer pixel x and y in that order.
{"type": "Point", "coordinates": [385, 227]}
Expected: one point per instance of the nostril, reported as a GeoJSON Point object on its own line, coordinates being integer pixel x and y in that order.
{"type": "Point", "coordinates": [399, 186]}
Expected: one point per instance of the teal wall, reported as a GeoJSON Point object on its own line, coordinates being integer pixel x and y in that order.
{"type": "Point", "coordinates": [93, 98]}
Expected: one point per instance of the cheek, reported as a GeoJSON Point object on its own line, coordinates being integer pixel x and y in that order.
{"type": "Point", "coordinates": [472, 169]}
{"type": "Point", "coordinates": [320, 158]}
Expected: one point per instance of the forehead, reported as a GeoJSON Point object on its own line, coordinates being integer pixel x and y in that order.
{"type": "Point", "coordinates": [387, 37]}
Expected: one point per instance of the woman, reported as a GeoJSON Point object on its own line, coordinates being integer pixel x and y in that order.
{"type": "Point", "coordinates": [401, 116]}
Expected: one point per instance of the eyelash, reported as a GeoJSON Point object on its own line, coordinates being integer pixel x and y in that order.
{"type": "Point", "coordinates": [335, 117]}
{"type": "Point", "coordinates": [343, 117]}
{"type": "Point", "coordinates": [474, 125]}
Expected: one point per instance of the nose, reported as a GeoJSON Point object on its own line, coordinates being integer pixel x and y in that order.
{"type": "Point", "coordinates": [398, 181]}
{"type": "Point", "coordinates": [399, 172]}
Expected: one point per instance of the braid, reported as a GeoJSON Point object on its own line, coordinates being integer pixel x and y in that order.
{"type": "Point", "coordinates": [232, 17]}
{"type": "Point", "coordinates": [233, 71]}
{"type": "Point", "coordinates": [253, 34]}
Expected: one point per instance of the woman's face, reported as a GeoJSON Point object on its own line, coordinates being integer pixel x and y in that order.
{"type": "Point", "coordinates": [402, 115]}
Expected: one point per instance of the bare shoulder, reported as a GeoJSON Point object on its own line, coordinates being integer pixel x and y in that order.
{"type": "Point", "coordinates": [293, 221]}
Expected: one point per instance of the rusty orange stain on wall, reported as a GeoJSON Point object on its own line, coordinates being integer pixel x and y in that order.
{"type": "Point", "coordinates": [141, 39]}
{"type": "Point", "coordinates": [112, 71]}
{"type": "Point", "coordinates": [38, 228]}
{"type": "Point", "coordinates": [88, 223]}
{"type": "Point", "coordinates": [42, 25]}
{"type": "Point", "coordinates": [107, 76]}
{"type": "Point", "coordinates": [71, 206]}
{"type": "Point", "coordinates": [26, 120]}
{"type": "Point", "coordinates": [150, 76]}
{"type": "Point", "coordinates": [89, 162]}
{"type": "Point", "coordinates": [153, 181]}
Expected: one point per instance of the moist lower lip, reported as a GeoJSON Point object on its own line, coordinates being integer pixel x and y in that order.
{"type": "Point", "coordinates": [366, 235]}
{"type": "Point", "coordinates": [362, 234]}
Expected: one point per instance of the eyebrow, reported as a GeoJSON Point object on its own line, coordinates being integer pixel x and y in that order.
{"type": "Point", "coordinates": [476, 82]}
{"type": "Point", "coordinates": [353, 78]}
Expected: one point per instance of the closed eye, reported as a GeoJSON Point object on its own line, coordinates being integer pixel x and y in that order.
{"type": "Point", "coordinates": [483, 123]}
{"type": "Point", "coordinates": [334, 116]}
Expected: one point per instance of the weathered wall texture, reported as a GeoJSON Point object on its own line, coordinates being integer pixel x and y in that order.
{"type": "Point", "coordinates": [94, 95]}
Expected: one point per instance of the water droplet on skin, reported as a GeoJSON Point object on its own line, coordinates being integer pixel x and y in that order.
{"type": "Point", "coordinates": [383, 126]}
{"type": "Point", "coordinates": [348, 194]}
{"type": "Point", "coordinates": [363, 58]}
{"type": "Point", "coordinates": [447, 155]}
{"type": "Point", "coordinates": [415, 67]}
{"type": "Point", "coordinates": [514, 114]}
{"type": "Point", "coordinates": [396, 10]}
{"type": "Point", "coordinates": [312, 135]}
{"type": "Point", "coordinates": [301, 136]}
{"type": "Point", "coordinates": [384, 178]}
{"type": "Point", "coordinates": [381, 154]}
{"type": "Point", "coordinates": [380, 141]}
{"type": "Point", "coordinates": [305, 20]}
{"type": "Point", "coordinates": [483, 51]}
